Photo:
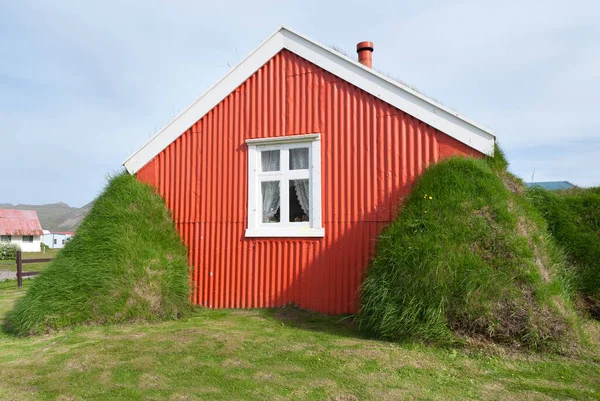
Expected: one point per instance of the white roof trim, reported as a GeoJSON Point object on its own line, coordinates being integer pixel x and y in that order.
{"type": "Point", "coordinates": [369, 80]}
{"type": "Point", "coordinates": [283, 139]}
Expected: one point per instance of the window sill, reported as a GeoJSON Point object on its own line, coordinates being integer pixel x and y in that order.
{"type": "Point", "coordinates": [285, 232]}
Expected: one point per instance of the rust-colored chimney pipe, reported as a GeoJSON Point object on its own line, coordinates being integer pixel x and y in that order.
{"type": "Point", "coordinates": [365, 53]}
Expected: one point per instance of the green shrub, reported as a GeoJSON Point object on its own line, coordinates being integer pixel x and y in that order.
{"type": "Point", "coordinates": [8, 251]}
{"type": "Point", "coordinates": [126, 263]}
{"type": "Point", "coordinates": [573, 217]}
{"type": "Point", "coordinates": [467, 256]}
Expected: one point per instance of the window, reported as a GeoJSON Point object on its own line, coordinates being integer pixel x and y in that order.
{"type": "Point", "coordinates": [284, 187]}
{"type": "Point", "coordinates": [28, 238]}
{"type": "Point", "coordinates": [5, 238]}
{"type": "Point", "coordinates": [55, 240]}
{"type": "Point", "coordinates": [63, 242]}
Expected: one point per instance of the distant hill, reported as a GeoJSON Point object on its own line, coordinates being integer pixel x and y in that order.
{"type": "Point", "coordinates": [55, 217]}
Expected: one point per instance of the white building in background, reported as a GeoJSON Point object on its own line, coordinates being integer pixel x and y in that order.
{"type": "Point", "coordinates": [57, 239]}
{"type": "Point", "coordinates": [21, 227]}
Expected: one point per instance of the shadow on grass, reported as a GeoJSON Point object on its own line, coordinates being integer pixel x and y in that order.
{"type": "Point", "coordinates": [6, 328]}
{"type": "Point", "coordinates": [342, 326]}
{"type": "Point", "coordinates": [346, 326]}
{"type": "Point", "coordinates": [10, 294]}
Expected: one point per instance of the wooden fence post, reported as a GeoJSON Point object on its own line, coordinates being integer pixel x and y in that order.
{"type": "Point", "coordinates": [19, 270]}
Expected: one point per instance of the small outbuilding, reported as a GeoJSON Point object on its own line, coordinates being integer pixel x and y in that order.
{"type": "Point", "coordinates": [281, 177]}
{"type": "Point", "coordinates": [21, 227]}
{"type": "Point", "coordinates": [58, 239]}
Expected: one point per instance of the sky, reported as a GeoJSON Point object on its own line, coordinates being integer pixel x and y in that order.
{"type": "Point", "coordinates": [84, 84]}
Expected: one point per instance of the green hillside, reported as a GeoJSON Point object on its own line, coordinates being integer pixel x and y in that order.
{"type": "Point", "coordinates": [573, 218]}
{"type": "Point", "coordinates": [126, 263]}
{"type": "Point", "coordinates": [469, 257]}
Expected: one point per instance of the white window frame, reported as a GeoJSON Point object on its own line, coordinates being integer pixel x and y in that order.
{"type": "Point", "coordinates": [312, 228]}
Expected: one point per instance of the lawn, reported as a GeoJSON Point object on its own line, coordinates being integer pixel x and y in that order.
{"type": "Point", "coordinates": [274, 355]}
{"type": "Point", "coordinates": [10, 265]}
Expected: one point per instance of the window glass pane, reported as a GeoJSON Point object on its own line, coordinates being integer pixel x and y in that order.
{"type": "Point", "coordinates": [269, 160]}
{"type": "Point", "coordinates": [5, 238]}
{"type": "Point", "coordinates": [299, 201]}
{"type": "Point", "coordinates": [27, 238]}
{"type": "Point", "coordinates": [299, 159]}
{"type": "Point", "coordinates": [270, 201]}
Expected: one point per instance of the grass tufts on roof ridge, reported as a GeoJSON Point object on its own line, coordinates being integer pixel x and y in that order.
{"type": "Point", "coordinates": [469, 257]}
{"type": "Point", "coordinates": [126, 263]}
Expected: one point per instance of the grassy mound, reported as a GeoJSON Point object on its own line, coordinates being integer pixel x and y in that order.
{"type": "Point", "coordinates": [468, 255]}
{"type": "Point", "coordinates": [573, 218]}
{"type": "Point", "coordinates": [126, 263]}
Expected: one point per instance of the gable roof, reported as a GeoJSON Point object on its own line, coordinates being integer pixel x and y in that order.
{"type": "Point", "coordinates": [19, 222]}
{"type": "Point", "coordinates": [395, 93]}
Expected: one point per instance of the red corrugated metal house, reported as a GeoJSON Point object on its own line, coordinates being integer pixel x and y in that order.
{"type": "Point", "coordinates": [21, 227]}
{"type": "Point", "coordinates": [282, 175]}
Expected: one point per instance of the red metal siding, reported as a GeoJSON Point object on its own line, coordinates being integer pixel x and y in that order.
{"type": "Point", "coordinates": [371, 154]}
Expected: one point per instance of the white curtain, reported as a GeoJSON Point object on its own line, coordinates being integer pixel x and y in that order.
{"type": "Point", "coordinates": [269, 160]}
{"type": "Point", "coordinates": [270, 189]}
{"type": "Point", "coordinates": [302, 193]}
{"type": "Point", "coordinates": [299, 161]}
{"type": "Point", "coordinates": [270, 204]}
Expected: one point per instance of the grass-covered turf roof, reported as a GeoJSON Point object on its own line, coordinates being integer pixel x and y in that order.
{"type": "Point", "coordinates": [125, 263]}
{"type": "Point", "coordinates": [573, 218]}
{"type": "Point", "coordinates": [469, 256]}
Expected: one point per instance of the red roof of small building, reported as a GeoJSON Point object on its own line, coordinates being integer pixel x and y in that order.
{"type": "Point", "coordinates": [63, 232]}
{"type": "Point", "coordinates": [19, 222]}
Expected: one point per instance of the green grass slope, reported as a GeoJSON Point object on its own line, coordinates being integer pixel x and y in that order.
{"type": "Point", "coordinates": [469, 256]}
{"type": "Point", "coordinates": [573, 217]}
{"type": "Point", "coordinates": [126, 263]}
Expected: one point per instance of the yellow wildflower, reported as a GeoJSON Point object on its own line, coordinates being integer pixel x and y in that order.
{"type": "Point", "coordinates": [431, 197]}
